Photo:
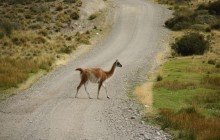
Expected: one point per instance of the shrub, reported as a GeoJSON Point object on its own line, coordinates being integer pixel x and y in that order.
{"type": "Point", "coordinates": [39, 40]}
{"type": "Point", "coordinates": [16, 41]}
{"type": "Point", "coordinates": [216, 25]}
{"type": "Point", "coordinates": [19, 1]}
{"type": "Point", "coordinates": [49, 0]}
{"type": "Point", "coordinates": [93, 16]}
{"type": "Point", "coordinates": [35, 26]}
{"type": "Point", "coordinates": [217, 65]}
{"type": "Point", "coordinates": [159, 78]}
{"type": "Point", "coordinates": [202, 6]}
{"type": "Point", "coordinates": [59, 8]}
{"type": "Point", "coordinates": [70, 1]}
{"type": "Point", "coordinates": [7, 28]}
{"type": "Point", "coordinates": [189, 44]}
{"type": "Point", "coordinates": [205, 19]}
{"type": "Point", "coordinates": [43, 32]}
{"type": "Point", "coordinates": [178, 23]}
{"type": "Point", "coordinates": [66, 49]}
{"type": "Point", "coordinates": [201, 27]}
{"type": "Point", "coordinates": [36, 9]}
{"type": "Point", "coordinates": [82, 38]}
{"type": "Point", "coordinates": [211, 61]}
{"type": "Point", "coordinates": [201, 12]}
{"type": "Point", "coordinates": [28, 16]}
{"type": "Point", "coordinates": [79, 3]}
{"type": "Point", "coordinates": [75, 15]}
{"type": "Point", "coordinates": [1, 35]}
{"type": "Point", "coordinates": [214, 8]}
{"type": "Point", "coordinates": [208, 29]}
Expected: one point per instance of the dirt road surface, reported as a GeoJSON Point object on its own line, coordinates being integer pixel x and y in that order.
{"type": "Point", "coordinates": [49, 111]}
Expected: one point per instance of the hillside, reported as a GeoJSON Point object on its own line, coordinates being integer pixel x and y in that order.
{"type": "Point", "coordinates": [34, 34]}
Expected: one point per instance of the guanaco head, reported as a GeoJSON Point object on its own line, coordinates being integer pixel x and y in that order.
{"type": "Point", "coordinates": [118, 64]}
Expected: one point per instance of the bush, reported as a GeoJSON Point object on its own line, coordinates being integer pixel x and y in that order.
{"type": "Point", "coordinates": [43, 32]}
{"type": "Point", "coordinates": [37, 9]}
{"type": "Point", "coordinates": [49, 0]}
{"type": "Point", "coordinates": [1, 35]}
{"type": "Point", "coordinates": [189, 44]}
{"type": "Point", "coordinates": [159, 78]}
{"type": "Point", "coordinates": [217, 65]}
{"type": "Point", "coordinates": [201, 27]}
{"type": "Point", "coordinates": [67, 49]}
{"type": "Point", "coordinates": [178, 23]}
{"type": "Point", "coordinates": [202, 7]}
{"type": "Point", "coordinates": [7, 28]}
{"type": "Point", "coordinates": [70, 1]}
{"type": "Point", "coordinates": [59, 8]}
{"type": "Point", "coordinates": [35, 26]}
{"type": "Point", "coordinates": [216, 25]}
{"type": "Point", "coordinates": [211, 61]}
{"type": "Point", "coordinates": [75, 16]}
{"type": "Point", "coordinates": [19, 1]}
{"type": "Point", "coordinates": [93, 16]}
{"type": "Point", "coordinates": [214, 8]}
{"type": "Point", "coordinates": [205, 19]}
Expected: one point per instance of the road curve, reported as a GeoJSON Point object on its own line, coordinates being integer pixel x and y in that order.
{"type": "Point", "coordinates": [49, 111]}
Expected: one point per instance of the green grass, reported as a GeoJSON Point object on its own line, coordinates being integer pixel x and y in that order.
{"type": "Point", "coordinates": [183, 79]}
{"type": "Point", "coordinates": [174, 100]}
{"type": "Point", "coordinates": [187, 98]}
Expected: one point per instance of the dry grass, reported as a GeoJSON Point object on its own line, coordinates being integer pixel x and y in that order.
{"type": "Point", "coordinates": [83, 38]}
{"type": "Point", "coordinates": [188, 119]}
{"type": "Point", "coordinates": [144, 95]}
{"type": "Point", "coordinates": [35, 34]}
{"type": "Point", "coordinates": [15, 71]}
{"type": "Point", "coordinates": [212, 82]}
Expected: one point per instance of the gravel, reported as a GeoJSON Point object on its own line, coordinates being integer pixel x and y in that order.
{"type": "Point", "coordinates": [48, 110]}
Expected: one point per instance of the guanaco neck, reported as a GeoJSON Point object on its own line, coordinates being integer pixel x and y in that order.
{"type": "Point", "coordinates": [111, 71]}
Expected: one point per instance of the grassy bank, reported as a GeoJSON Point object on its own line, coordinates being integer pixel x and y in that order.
{"type": "Point", "coordinates": [187, 97]}
{"type": "Point", "coordinates": [35, 34]}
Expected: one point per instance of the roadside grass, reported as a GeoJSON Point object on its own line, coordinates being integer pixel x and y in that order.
{"type": "Point", "coordinates": [31, 39]}
{"type": "Point", "coordinates": [15, 71]}
{"type": "Point", "coordinates": [37, 35]}
{"type": "Point", "coordinates": [188, 98]}
{"type": "Point", "coordinates": [191, 124]}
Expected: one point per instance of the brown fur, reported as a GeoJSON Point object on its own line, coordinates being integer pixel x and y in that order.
{"type": "Point", "coordinates": [96, 75]}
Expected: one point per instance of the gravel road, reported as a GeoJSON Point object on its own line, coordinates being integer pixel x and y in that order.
{"type": "Point", "coordinates": [49, 111]}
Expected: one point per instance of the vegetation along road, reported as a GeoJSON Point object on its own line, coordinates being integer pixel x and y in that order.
{"type": "Point", "coordinates": [48, 110]}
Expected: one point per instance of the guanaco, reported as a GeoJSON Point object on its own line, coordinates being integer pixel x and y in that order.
{"type": "Point", "coordinates": [96, 75]}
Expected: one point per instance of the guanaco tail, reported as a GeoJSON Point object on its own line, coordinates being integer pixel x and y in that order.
{"type": "Point", "coordinates": [96, 75]}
